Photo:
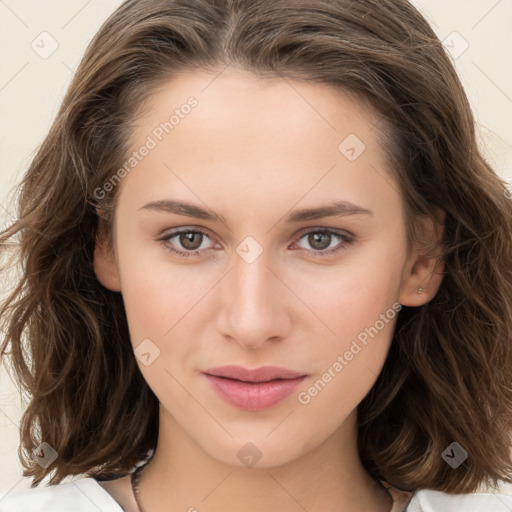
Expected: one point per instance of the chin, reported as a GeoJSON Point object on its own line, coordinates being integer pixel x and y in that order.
{"type": "Point", "coordinates": [260, 452]}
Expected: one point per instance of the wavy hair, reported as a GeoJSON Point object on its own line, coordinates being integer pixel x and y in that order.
{"type": "Point", "coordinates": [447, 375]}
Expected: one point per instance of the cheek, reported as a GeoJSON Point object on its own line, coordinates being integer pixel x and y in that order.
{"type": "Point", "coordinates": [346, 364]}
{"type": "Point", "coordinates": [162, 309]}
{"type": "Point", "coordinates": [356, 309]}
{"type": "Point", "coordinates": [156, 292]}
{"type": "Point", "coordinates": [352, 296]}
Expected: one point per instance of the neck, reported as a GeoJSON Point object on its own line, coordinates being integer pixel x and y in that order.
{"type": "Point", "coordinates": [330, 477]}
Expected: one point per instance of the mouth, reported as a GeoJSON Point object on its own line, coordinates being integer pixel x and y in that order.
{"type": "Point", "coordinates": [253, 390]}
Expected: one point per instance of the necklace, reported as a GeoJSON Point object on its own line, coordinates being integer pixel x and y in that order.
{"type": "Point", "coordinates": [135, 486]}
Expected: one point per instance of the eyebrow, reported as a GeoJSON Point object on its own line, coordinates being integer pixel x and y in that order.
{"type": "Point", "coordinates": [335, 209]}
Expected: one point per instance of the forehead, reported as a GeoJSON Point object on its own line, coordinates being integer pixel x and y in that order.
{"type": "Point", "coordinates": [242, 103]}
{"type": "Point", "coordinates": [248, 134]}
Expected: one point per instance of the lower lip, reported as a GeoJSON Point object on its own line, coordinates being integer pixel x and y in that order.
{"type": "Point", "coordinates": [253, 397]}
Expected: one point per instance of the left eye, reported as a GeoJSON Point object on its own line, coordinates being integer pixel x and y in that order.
{"type": "Point", "coordinates": [319, 240]}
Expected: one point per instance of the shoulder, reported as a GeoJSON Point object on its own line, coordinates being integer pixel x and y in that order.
{"type": "Point", "coordinates": [81, 495]}
{"type": "Point", "coordinates": [436, 501]}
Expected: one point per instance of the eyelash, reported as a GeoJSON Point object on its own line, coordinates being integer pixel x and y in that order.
{"type": "Point", "coordinates": [347, 240]}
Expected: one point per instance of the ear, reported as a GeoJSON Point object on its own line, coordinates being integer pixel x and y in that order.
{"type": "Point", "coordinates": [105, 265]}
{"type": "Point", "coordinates": [423, 271]}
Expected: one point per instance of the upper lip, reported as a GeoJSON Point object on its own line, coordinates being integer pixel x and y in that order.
{"type": "Point", "coordinates": [262, 374]}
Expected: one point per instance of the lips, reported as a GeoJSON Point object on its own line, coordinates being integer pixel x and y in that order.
{"type": "Point", "coordinates": [263, 374]}
{"type": "Point", "coordinates": [253, 390]}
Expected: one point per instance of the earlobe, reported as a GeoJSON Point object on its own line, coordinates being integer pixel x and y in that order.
{"type": "Point", "coordinates": [422, 283]}
{"type": "Point", "coordinates": [105, 265]}
{"type": "Point", "coordinates": [423, 272]}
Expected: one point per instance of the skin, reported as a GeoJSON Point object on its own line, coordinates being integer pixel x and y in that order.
{"type": "Point", "coordinates": [253, 151]}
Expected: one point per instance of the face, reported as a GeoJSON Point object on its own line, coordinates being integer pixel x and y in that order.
{"type": "Point", "coordinates": [255, 270]}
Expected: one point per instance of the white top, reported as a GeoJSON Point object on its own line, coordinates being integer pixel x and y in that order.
{"type": "Point", "coordinates": [81, 495]}
{"type": "Point", "coordinates": [87, 495]}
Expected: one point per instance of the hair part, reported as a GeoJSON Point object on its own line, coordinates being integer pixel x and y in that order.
{"type": "Point", "coordinates": [447, 374]}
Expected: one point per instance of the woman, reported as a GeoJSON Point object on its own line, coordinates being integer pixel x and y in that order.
{"type": "Point", "coordinates": [264, 263]}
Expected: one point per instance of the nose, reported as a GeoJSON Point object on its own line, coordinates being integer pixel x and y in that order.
{"type": "Point", "coordinates": [254, 305]}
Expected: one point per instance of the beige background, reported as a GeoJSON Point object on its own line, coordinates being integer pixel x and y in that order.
{"type": "Point", "coordinates": [31, 88]}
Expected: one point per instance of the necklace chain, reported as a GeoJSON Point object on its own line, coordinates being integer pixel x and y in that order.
{"type": "Point", "coordinates": [135, 486]}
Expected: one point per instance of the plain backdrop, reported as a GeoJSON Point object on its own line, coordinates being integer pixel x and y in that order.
{"type": "Point", "coordinates": [32, 83]}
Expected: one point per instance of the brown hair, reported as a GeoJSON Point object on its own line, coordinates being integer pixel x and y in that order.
{"type": "Point", "coordinates": [447, 376]}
